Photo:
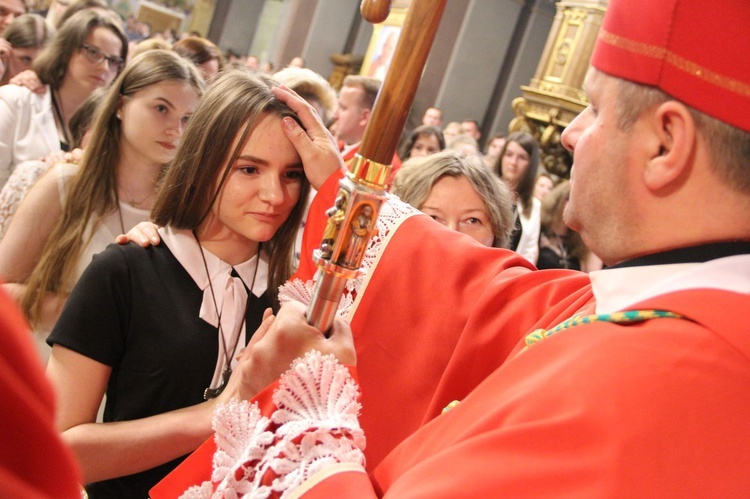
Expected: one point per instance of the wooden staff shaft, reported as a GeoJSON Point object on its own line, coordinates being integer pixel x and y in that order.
{"type": "Point", "coordinates": [351, 221]}
{"type": "Point", "coordinates": [391, 109]}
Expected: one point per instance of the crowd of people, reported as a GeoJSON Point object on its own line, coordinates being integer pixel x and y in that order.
{"type": "Point", "coordinates": [160, 205]}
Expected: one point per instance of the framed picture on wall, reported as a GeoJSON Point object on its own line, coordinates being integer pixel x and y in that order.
{"type": "Point", "coordinates": [382, 45]}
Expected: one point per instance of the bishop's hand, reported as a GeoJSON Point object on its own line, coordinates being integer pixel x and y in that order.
{"type": "Point", "coordinates": [277, 342]}
{"type": "Point", "coordinates": [314, 143]}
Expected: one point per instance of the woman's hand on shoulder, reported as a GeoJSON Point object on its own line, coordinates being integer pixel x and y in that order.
{"type": "Point", "coordinates": [73, 157]}
{"type": "Point", "coordinates": [144, 234]}
{"type": "Point", "coordinates": [30, 80]}
{"type": "Point", "coordinates": [314, 143]}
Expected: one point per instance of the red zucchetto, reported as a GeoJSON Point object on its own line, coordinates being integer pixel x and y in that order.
{"type": "Point", "coordinates": [695, 51]}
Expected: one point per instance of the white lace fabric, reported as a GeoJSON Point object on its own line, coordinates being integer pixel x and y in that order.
{"type": "Point", "coordinates": [22, 179]}
{"type": "Point", "coordinates": [393, 213]}
{"type": "Point", "coordinates": [315, 426]}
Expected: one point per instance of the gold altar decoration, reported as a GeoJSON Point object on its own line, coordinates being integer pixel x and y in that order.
{"type": "Point", "coordinates": [344, 65]}
{"type": "Point", "coordinates": [555, 94]}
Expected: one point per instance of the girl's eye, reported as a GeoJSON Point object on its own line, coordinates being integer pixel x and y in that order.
{"type": "Point", "coordinates": [249, 170]}
{"type": "Point", "coordinates": [294, 174]}
{"type": "Point", "coordinates": [185, 120]}
{"type": "Point", "coordinates": [161, 108]}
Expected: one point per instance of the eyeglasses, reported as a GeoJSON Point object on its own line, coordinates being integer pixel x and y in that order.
{"type": "Point", "coordinates": [96, 56]}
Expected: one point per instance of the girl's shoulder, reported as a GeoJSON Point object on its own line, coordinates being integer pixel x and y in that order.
{"type": "Point", "coordinates": [17, 96]}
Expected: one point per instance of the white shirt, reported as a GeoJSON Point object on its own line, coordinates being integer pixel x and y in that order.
{"type": "Point", "coordinates": [616, 289]}
{"type": "Point", "coordinates": [27, 127]}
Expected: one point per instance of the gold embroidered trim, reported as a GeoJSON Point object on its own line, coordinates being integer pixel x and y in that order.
{"type": "Point", "coordinates": [677, 61]}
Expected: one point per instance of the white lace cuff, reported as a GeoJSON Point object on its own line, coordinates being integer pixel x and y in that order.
{"type": "Point", "coordinates": [314, 426]}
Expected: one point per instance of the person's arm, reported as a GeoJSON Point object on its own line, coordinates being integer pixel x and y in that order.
{"type": "Point", "coordinates": [316, 395]}
{"type": "Point", "coordinates": [108, 450]}
{"type": "Point", "coordinates": [528, 246]}
{"type": "Point", "coordinates": [30, 229]}
{"type": "Point", "coordinates": [87, 341]}
{"type": "Point", "coordinates": [23, 243]}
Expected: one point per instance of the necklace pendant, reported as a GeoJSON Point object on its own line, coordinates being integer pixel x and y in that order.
{"type": "Point", "coordinates": [210, 393]}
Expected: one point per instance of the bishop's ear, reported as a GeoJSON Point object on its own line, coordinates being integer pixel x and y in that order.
{"type": "Point", "coordinates": [675, 130]}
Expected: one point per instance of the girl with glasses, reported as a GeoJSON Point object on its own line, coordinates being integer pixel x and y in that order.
{"type": "Point", "coordinates": [32, 125]}
{"type": "Point", "coordinates": [73, 211]}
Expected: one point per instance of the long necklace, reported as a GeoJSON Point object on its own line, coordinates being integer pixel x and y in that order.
{"type": "Point", "coordinates": [209, 392]}
{"type": "Point", "coordinates": [61, 120]}
{"type": "Point", "coordinates": [119, 209]}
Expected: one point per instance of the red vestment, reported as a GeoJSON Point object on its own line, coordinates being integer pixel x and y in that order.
{"type": "Point", "coordinates": [34, 462]}
{"type": "Point", "coordinates": [648, 409]}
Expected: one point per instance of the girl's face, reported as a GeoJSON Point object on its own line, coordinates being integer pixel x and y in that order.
{"type": "Point", "coordinates": [20, 60]}
{"type": "Point", "coordinates": [83, 70]}
{"type": "Point", "coordinates": [261, 190]}
{"type": "Point", "coordinates": [425, 145]}
{"type": "Point", "coordinates": [515, 162]}
{"type": "Point", "coordinates": [542, 187]}
{"type": "Point", "coordinates": [454, 202]}
{"type": "Point", "coordinates": [495, 147]}
{"type": "Point", "coordinates": [153, 120]}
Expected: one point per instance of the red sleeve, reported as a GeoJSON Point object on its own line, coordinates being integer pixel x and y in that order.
{"type": "Point", "coordinates": [316, 224]}
{"type": "Point", "coordinates": [34, 462]}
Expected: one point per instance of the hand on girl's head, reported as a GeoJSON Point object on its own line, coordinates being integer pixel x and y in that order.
{"type": "Point", "coordinates": [314, 143]}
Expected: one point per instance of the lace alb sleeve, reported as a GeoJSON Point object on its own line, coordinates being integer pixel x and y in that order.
{"type": "Point", "coordinates": [393, 212]}
{"type": "Point", "coordinates": [315, 426]}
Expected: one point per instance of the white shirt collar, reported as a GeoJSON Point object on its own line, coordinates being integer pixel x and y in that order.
{"type": "Point", "coordinates": [225, 302]}
{"type": "Point", "coordinates": [616, 289]}
{"type": "Point", "coordinates": [184, 247]}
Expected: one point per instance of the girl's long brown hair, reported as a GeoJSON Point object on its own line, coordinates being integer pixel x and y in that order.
{"type": "Point", "coordinates": [233, 105]}
{"type": "Point", "coordinates": [93, 191]}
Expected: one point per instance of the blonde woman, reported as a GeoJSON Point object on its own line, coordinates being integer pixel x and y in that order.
{"type": "Point", "coordinates": [459, 192]}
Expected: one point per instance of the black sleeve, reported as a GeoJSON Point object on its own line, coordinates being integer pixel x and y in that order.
{"type": "Point", "coordinates": [94, 321]}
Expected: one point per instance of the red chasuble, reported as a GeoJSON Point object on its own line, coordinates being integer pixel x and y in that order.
{"type": "Point", "coordinates": [34, 462]}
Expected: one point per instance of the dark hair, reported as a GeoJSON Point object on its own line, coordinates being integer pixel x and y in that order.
{"type": "Point", "coordinates": [232, 107]}
{"type": "Point", "coordinates": [525, 187]}
{"type": "Point", "coordinates": [77, 6]}
{"type": "Point", "coordinates": [420, 131]}
{"type": "Point", "coordinates": [83, 119]}
{"type": "Point", "coordinates": [198, 50]}
{"type": "Point", "coordinates": [52, 63]}
{"type": "Point", "coordinates": [28, 31]}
